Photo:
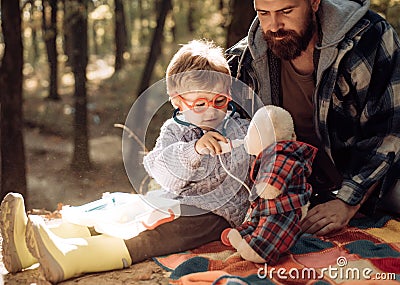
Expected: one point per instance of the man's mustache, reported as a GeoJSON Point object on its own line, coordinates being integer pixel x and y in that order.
{"type": "Point", "coordinates": [277, 34]}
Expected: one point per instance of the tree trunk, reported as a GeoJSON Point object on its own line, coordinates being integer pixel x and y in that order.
{"type": "Point", "coordinates": [129, 27]}
{"type": "Point", "coordinates": [50, 37]}
{"type": "Point", "coordinates": [221, 5]}
{"type": "Point", "coordinates": [13, 171]}
{"type": "Point", "coordinates": [224, 9]}
{"type": "Point", "coordinates": [133, 165]}
{"type": "Point", "coordinates": [78, 23]}
{"type": "Point", "coordinates": [173, 28]}
{"type": "Point", "coordinates": [156, 43]}
{"type": "Point", "coordinates": [190, 17]}
{"type": "Point", "coordinates": [67, 45]}
{"type": "Point", "coordinates": [35, 46]}
{"type": "Point", "coordinates": [241, 17]}
{"type": "Point", "coordinates": [120, 34]}
{"type": "Point", "coordinates": [142, 30]}
{"type": "Point", "coordinates": [32, 24]}
{"type": "Point", "coordinates": [94, 36]}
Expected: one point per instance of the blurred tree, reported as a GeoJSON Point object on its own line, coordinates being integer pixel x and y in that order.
{"type": "Point", "coordinates": [224, 10]}
{"type": "Point", "coordinates": [67, 44]}
{"type": "Point", "coordinates": [49, 26]}
{"type": "Point", "coordinates": [221, 5]}
{"type": "Point", "coordinates": [143, 29]}
{"type": "Point", "coordinates": [173, 27]}
{"type": "Point", "coordinates": [98, 18]}
{"type": "Point", "coordinates": [129, 18]}
{"type": "Point", "coordinates": [156, 43]}
{"type": "Point", "coordinates": [191, 10]}
{"type": "Point", "coordinates": [389, 9]}
{"type": "Point", "coordinates": [242, 14]}
{"type": "Point", "coordinates": [380, 6]}
{"type": "Point", "coordinates": [120, 34]}
{"type": "Point", "coordinates": [94, 37]}
{"type": "Point", "coordinates": [31, 8]}
{"type": "Point", "coordinates": [13, 172]}
{"type": "Point", "coordinates": [134, 154]}
{"type": "Point", "coordinates": [77, 19]}
{"type": "Point", "coordinates": [393, 15]}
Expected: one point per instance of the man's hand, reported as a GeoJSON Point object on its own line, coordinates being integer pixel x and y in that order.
{"type": "Point", "coordinates": [328, 217]}
{"type": "Point", "coordinates": [208, 143]}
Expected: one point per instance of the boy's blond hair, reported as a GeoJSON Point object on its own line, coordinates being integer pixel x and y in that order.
{"type": "Point", "coordinates": [199, 65]}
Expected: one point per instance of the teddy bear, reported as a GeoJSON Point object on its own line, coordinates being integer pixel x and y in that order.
{"type": "Point", "coordinates": [279, 197]}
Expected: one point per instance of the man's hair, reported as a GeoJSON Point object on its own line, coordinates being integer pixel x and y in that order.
{"type": "Point", "coordinates": [199, 65]}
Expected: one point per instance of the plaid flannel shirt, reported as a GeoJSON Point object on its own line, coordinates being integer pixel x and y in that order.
{"type": "Point", "coordinates": [274, 224]}
{"type": "Point", "coordinates": [357, 97]}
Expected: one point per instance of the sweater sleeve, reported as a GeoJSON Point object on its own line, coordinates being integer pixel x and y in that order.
{"type": "Point", "coordinates": [172, 162]}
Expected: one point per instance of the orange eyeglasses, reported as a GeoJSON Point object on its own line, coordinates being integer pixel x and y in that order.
{"type": "Point", "coordinates": [200, 105]}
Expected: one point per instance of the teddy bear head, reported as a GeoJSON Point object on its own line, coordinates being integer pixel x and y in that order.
{"type": "Point", "coordinates": [268, 125]}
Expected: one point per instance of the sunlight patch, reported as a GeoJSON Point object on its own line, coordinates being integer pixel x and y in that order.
{"type": "Point", "coordinates": [68, 79]}
{"type": "Point", "coordinates": [99, 70]}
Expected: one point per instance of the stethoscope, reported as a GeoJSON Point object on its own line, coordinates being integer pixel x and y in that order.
{"type": "Point", "coordinates": [223, 132]}
{"type": "Point", "coordinates": [188, 124]}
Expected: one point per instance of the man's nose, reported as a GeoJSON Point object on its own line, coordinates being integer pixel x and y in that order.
{"type": "Point", "coordinates": [275, 23]}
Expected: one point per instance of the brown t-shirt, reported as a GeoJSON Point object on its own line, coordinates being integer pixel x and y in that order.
{"type": "Point", "coordinates": [297, 92]}
{"type": "Point", "coordinates": [297, 97]}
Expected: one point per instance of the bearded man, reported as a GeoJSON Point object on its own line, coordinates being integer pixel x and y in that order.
{"type": "Point", "coordinates": [335, 66]}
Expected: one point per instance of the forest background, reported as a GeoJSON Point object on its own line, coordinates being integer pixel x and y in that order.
{"type": "Point", "coordinates": [71, 69]}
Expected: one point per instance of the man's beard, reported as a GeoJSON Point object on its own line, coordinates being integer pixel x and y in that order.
{"type": "Point", "coordinates": [292, 44]}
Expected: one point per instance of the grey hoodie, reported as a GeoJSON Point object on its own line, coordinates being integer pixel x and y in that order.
{"type": "Point", "coordinates": [336, 17]}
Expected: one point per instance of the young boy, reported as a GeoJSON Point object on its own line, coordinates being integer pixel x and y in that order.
{"type": "Point", "coordinates": [183, 162]}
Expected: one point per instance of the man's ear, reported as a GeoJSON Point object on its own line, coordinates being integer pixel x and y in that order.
{"type": "Point", "coordinates": [294, 136]}
{"type": "Point", "coordinates": [315, 5]}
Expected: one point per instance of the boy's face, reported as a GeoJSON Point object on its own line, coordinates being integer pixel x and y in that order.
{"type": "Point", "coordinates": [204, 109]}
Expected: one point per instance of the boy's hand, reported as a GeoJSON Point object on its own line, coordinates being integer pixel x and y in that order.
{"type": "Point", "coordinates": [208, 143]}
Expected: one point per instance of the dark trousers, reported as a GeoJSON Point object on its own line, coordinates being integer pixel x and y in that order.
{"type": "Point", "coordinates": [184, 233]}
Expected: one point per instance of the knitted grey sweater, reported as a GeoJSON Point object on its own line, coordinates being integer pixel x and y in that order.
{"type": "Point", "coordinates": [200, 180]}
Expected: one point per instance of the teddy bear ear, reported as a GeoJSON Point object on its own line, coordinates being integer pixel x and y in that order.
{"type": "Point", "coordinates": [261, 132]}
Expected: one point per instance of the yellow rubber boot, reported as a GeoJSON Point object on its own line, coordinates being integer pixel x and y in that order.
{"type": "Point", "coordinates": [13, 225]}
{"type": "Point", "coordinates": [13, 219]}
{"type": "Point", "coordinates": [61, 259]}
{"type": "Point", "coordinates": [68, 230]}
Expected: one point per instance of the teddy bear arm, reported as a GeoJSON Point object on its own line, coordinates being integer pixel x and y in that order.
{"type": "Point", "coordinates": [247, 253]}
{"type": "Point", "coordinates": [242, 247]}
{"type": "Point", "coordinates": [304, 210]}
{"type": "Point", "coordinates": [234, 238]}
{"type": "Point", "coordinates": [267, 191]}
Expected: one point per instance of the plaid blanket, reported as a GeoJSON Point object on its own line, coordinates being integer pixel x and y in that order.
{"type": "Point", "coordinates": [366, 252]}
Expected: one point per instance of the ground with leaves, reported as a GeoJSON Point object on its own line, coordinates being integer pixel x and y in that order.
{"type": "Point", "coordinates": [51, 182]}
